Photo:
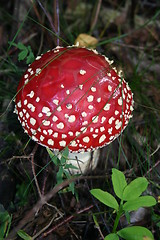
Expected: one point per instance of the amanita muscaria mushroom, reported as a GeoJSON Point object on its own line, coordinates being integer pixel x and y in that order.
{"type": "Point", "coordinates": [72, 97]}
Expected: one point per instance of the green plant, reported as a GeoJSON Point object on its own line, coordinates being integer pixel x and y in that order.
{"type": "Point", "coordinates": [5, 224]}
{"type": "Point", "coordinates": [25, 52]}
{"type": "Point", "coordinates": [22, 193]}
{"type": "Point", "coordinates": [24, 235]}
{"type": "Point", "coordinates": [63, 167]}
{"type": "Point", "coordinates": [130, 200]}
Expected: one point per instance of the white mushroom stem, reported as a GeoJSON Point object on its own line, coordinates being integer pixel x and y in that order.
{"type": "Point", "coordinates": [83, 161]}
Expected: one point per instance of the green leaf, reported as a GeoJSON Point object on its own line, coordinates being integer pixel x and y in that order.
{"type": "Point", "coordinates": [22, 193]}
{"type": "Point", "coordinates": [23, 54]}
{"type": "Point", "coordinates": [128, 217]}
{"type": "Point", "coordinates": [105, 198]}
{"type": "Point", "coordinates": [72, 184]}
{"type": "Point", "coordinates": [147, 238]}
{"type": "Point", "coordinates": [135, 233]}
{"type": "Point", "coordinates": [53, 157]}
{"type": "Point", "coordinates": [72, 187]}
{"type": "Point", "coordinates": [30, 58]}
{"type": "Point", "coordinates": [21, 46]}
{"type": "Point", "coordinates": [63, 160]}
{"type": "Point", "coordinates": [64, 155]}
{"type": "Point", "coordinates": [71, 166]}
{"type": "Point", "coordinates": [60, 175]}
{"type": "Point", "coordinates": [135, 188]}
{"type": "Point", "coordinates": [68, 175]}
{"type": "Point", "coordinates": [65, 152]}
{"type": "Point", "coordinates": [5, 222]}
{"type": "Point", "coordinates": [24, 235]}
{"type": "Point", "coordinates": [4, 216]}
{"type": "Point", "coordinates": [156, 219]}
{"type": "Point", "coordinates": [144, 201]}
{"type": "Point", "coordinates": [119, 182]}
{"type": "Point", "coordinates": [3, 229]}
{"type": "Point", "coordinates": [95, 220]}
{"type": "Point", "coordinates": [112, 236]}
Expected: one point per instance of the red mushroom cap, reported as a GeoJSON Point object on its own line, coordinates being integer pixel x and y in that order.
{"type": "Point", "coordinates": [72, 97]}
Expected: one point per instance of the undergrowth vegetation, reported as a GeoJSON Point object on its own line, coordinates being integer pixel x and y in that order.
{"type": "Point", "coordinates": [41, 194]}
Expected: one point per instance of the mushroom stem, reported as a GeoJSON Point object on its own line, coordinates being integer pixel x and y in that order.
{"type": "Point", "coordinates": [83, 161]}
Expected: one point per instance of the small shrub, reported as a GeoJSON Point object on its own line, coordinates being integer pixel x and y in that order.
{"type": "Point", "coordinates": [130, 200]}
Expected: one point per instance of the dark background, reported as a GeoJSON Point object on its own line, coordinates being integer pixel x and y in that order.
{"type": "Point", "coordinates": [127, 32]}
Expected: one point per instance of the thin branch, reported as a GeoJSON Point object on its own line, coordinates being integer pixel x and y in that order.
{"type": "Point", "coordinates": [47, 15]}
{"type": "Point", "coordinates": [43, 229]}
{"type": "Point", "coordinates": [30, 215]}
{"type": "Point", "coordinates": [66, 220]}
{"type": "Point", "coordinates": [56, 19]}
{"type": "Point", "coordinates": [96, 15]}
{"type": "Point", "coordinates": [33, 170]}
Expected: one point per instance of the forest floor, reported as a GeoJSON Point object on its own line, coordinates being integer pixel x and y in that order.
{"type": "Point", "coordinates": [127, 32]}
